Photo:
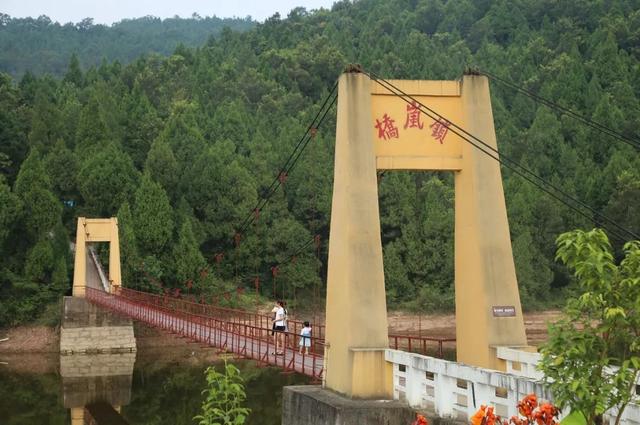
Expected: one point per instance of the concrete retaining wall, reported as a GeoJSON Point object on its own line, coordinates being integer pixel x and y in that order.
{"type": "Point", "coordinates": [89, 329]}
{"type": "Point", "coordinates": [313, 405]}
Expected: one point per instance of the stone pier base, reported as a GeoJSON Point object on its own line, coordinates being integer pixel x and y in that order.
{"type": "Point", "coordinates": [313, 405]}
{"type": "Point", "coordinates": [89, 329]}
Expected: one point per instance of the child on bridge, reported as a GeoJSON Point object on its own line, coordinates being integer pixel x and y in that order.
{"type": "Point", "coordinates": [305, 338]}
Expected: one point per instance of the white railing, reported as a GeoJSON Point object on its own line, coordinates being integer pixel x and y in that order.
{"type": "Point", "coordinates": [103, 277]}
{"type": "Point", "coordinates": [520, 363]}
{"type": "Point", "coordinates": [454, 390]}
{"type": "Point", "coordinates": [525, 364]}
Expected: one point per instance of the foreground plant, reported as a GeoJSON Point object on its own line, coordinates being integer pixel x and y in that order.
{"type": "Point", "coordinates": [531, 413]}
{"type": "Point", "coordinates": [420, 420]}
{"type": "Point", "coordinates": [225, 396]}
{"type": "Point", "coordinates": [591, 361]}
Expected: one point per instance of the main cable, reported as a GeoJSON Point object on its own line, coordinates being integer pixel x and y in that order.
{"type": "Point", "coordinates": [491, 151]}
{"type": "Point", "coordinates": [589, 122]}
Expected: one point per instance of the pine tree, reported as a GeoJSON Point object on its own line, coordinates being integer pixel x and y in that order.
{"type": "Point", "coordinates": [10, 211]}
{"type": "Point", "coordinates": [142, 126]}
{"type": "Point", "coordinates": [46, 120]}
{"type": "Point", "coordinates": [40, 261]}
{"type": "Point", "coordinates": [41, 208]}
{"type": "Point", "coordinates": [152, 215]}
{"type": "Point", "coordinates": [74, 73]}
{"type": "Point", "coordinates": [162, 166]}
{"type": "Point", "coordinates": [106, 180]}
{"type": "Point", "coordinates": [62, 166]}
{"type": "Point", "coordinates": [186, 254]}
{"type": "Point", "coordinates": [60, 277]}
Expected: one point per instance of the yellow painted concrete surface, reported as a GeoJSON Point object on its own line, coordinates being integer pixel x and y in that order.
{"type": "Point", "coordinates": [484, 270]}
{"type": "Point", "coordinates": [377, 130]}
{"type": "Point", "coordinates": [356, 305]}
{"type": "Point", "coordinates": [406, 139]}
{"type": "Point", "coordinates": [96, 230]}
{"type": "Point", "coordinates": [367, 381]}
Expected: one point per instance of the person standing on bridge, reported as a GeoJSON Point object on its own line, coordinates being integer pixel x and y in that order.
{"type": "Point", "coordinates": [274, 310]}
{"type": "Point", "coordinates": [305, 338]}
{"type": "Point", "coordinates": [280, 322]}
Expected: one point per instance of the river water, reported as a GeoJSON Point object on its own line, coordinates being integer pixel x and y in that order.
{"type": "Point", "coordinates": [152, 390]}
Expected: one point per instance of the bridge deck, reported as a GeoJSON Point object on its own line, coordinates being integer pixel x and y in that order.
{"type": "Point", "coordinates": [240, 338]}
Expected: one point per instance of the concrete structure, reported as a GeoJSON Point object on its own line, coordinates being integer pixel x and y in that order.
{"type": "Point", "coordinates": [356, 324]}
{"type": "Point", "coordinates": [97, 347]}
{"type": "Point", "coordinates": [86, 328]}
{"type": "Point", "coordinates": [378, 130]}
{"type": "Point", "coordinates": [311, 405]}
{"type": "Point", "coordinates": [456, 391]}
{"type": "Point", "coordinates": [96, 230]}
{"type": "Point", "coordinates": [525, 364]}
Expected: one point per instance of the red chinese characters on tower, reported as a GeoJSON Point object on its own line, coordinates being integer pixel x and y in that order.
{"type": "Point", "coordinates": [386, 129]}
{"type": "Point", "coordinates": [439, 129]}
{"type": "Point", "coordinates": [413, 116]}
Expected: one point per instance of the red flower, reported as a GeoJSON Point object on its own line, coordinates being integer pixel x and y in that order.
{"type": "Point", "coordinates": [420, 420]}
{"type": "Point", "coordinates": [478, 418]}
{"type": "Point", "coordinates": [490, 417]}
{"type": "Point", "coordinates": [546, 414]}
{"type": "Point", "coordinates": [527, 404]}
{"type": "Point", "coordinates": [517, 421]}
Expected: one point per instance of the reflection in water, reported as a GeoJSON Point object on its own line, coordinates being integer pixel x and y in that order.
{"type": "Point", "coordinates": [87, 379]}
{"type": "Point", "coordinates": [160, 391]}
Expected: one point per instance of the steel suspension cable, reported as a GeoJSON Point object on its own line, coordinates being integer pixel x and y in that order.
{"type": "Point", "coordinates": [263, 202]}
{"type": "Point", "coordinates": [634, 142]}
{"type": "Point", "coordinates": [513, 165]}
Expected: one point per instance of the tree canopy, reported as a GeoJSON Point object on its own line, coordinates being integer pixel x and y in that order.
{"type": "Point", "coordinates": [181, 147]}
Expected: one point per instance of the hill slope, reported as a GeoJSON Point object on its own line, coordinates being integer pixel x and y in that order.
{"type": "Point", "coordinates": [181, 149]}
{"type": "Point", "coordinates": [42, 46]}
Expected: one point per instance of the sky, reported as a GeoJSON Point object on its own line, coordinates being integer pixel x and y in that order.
{"type": "Point", "coordinates": [109, 11]}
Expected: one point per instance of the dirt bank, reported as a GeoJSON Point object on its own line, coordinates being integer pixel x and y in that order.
{"type": "Point", "coordinates": [30, 339]}
{"type": "Point", "coordinates": [444, 325]}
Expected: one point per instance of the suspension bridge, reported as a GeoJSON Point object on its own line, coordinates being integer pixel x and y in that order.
{"type": "Point", "coordinates": [243, 333]}
{"type": "Point", "coordinates": [354, 354]}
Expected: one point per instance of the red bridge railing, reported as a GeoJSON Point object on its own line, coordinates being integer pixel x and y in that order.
{"type": "Point", "coordinates": [256, 319]}
{"type": "Point", "coordinates": [244, 339]}
{"type": "Point", "coordinates": [242, 332]}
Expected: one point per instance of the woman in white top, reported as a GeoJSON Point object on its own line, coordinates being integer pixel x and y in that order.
{"type": "Point", "coordinates": [279, 327]}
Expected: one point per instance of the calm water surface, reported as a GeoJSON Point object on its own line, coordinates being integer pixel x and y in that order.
{"type": "Point", "coordinates": [160, 391]}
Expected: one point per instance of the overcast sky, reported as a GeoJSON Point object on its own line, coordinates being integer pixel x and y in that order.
{"type": "Point", "coordinates": [109, 11]}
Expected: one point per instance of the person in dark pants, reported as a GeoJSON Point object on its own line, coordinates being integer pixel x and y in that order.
{"type": "Point", "coordinates": [280, 326]}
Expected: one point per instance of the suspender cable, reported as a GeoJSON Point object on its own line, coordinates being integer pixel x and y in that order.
{"type": "Point", "coordinates": [295, 154]}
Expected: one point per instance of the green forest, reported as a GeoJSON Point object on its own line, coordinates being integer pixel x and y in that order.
{"type": "Point", "coordinates": [39, 45]}
{"type": "Point", "coordinates": [182, 147]}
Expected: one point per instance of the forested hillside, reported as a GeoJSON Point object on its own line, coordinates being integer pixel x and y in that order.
{"type": "Point", "coordinates": [39, 45]}
{"type": "Point", "coordinates": [181, 149]}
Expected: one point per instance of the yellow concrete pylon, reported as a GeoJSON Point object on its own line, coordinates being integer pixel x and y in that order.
{"type": "Point", "coordinates": [379, 130]}
{"type": "Point", "coordinates": [96, 230]}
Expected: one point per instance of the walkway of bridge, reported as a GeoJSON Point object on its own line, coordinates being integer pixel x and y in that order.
{"type": "Point", "coordinates": [243, 333]}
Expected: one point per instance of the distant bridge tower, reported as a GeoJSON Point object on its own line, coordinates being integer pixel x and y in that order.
{"type": "Point", "coordinates": [96, 230]}
{"type": "Point", "coordinates": [377, 130]}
